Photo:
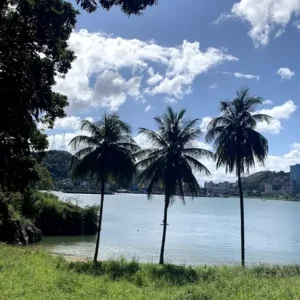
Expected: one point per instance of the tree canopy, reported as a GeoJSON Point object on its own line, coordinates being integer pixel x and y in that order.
{"type": "Point", "coordinates": [127, 6]}
{"type": "Point", "coordinates": [33, 51]}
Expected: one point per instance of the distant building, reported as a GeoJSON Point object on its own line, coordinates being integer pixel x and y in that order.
{"type": "Point", "coordinates": [295, 179]}
{"type": "Point", "coordinates": [209, 185]}
{"type": "Point", "coordinates": [268, 188]}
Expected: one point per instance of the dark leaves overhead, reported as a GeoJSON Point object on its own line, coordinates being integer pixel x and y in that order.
{"type": "Point", "coordinates": [33, 51]}
{"type": "Point", "coordinates": [129, 7]}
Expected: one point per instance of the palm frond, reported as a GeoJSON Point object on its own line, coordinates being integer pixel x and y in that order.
{"type": "Point", "coordinates": [153, 137]}
{"type": "Point", "coordinates": [84, 140]}
{"type": "Point", "coordinates": [195, 164]}
{"type": "Point", "coordinates": [92, 127]}
{"type": "Point", "coordinates": [262, 118]}
{"type": "Point", "coordinates": [198, 153]}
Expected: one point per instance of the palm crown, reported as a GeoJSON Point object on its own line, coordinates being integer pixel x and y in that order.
{"type": "Point", "coordinates": [107, 152]}
{"type": "Point", "coordinates": [236, 142]}
{"type": "Point", "coordinates": [173, 157]}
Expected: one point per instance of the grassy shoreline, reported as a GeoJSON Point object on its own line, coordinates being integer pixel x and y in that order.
{"type": "Point", "coordinates": [28, 274]}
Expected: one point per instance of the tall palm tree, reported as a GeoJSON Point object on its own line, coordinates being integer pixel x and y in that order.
{"type": "Point", "coordinates": [106, 155]}
{"type": "Point", "coordinates": [170, 163]}
{"type": "Point", "coordinates": [237, 143]}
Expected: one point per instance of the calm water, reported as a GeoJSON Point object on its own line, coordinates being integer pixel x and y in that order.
{"type": "Point", "coordinates": [204, 231]}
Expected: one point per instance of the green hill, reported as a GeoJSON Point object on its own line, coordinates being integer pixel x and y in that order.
{"type": "Point", "coordinates": [257, 181]}
{"type": "Point", "coordinates": [58, 164]}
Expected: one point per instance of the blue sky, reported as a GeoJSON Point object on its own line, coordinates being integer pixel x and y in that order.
{"type": "Point", "coordinates": [188, 56]}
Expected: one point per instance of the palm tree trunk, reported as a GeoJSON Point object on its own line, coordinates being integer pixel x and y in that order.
{"type": "Point", "coordinates": [242, 218]}
{"type": "Point", "coordinates": [165, 223]}
{"type": "Point", "coordinates": [100, 220]}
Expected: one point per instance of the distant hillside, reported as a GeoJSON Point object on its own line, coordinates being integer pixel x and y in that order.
{"type": "Point", "coordinates": [58, 164]}
{"type": "Point", "coordinates": [256, 181]}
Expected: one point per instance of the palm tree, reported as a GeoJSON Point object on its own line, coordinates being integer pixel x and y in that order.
{"type": "Point", "coordinates": [169, 164]}
{"type": "Point", "coordinates": [237, 143]}
{"type": "Point", "coordinates": [106, 155]}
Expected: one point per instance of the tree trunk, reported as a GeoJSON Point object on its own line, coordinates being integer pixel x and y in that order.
{"type": "Point", "coordinates": [100, 220]}
{"type": "Point", "coordinates": [165, 224]}
{"type": "Point", "coordinates": [242, 218]}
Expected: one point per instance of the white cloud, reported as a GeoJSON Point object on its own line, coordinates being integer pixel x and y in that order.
{"type": "Point", "coordinates": [147, 108]}
{"type": "Point", "coordinates": [267, 102]}
{"type": "Point", "coordinates": [246, 76]}
{"type": "Point", "coordinates": [279, 33]}
{"type": "Point", "coordinates": [154, 77]}
{"type": "Point", "coordinates": [61, 141]}
{"type": "Point", "coordinates": [222, 18]}
{"type": "Point", "coordinates": [267, 18]}
{"type": "Point", "coordinates": [213, 86]}
{"type": "Point", "coordinates": [204, 123]}
{"type": "Point", "coordinates": [170, 100]}
{"type": "Point", "coordinates": [278, 113]}
{"type": "Point", "coordinates": [285, 73]}
{"type": "Point", "coordinates": [111, 90]}
{"type": "Point", "coordinates": [297, 24]}
{"type": "Point", "coordinates": [68, 123]}
{"type": "Point", "coordinates": [105, 57]}
{"type": "Point", "coordinates": [241, 75]}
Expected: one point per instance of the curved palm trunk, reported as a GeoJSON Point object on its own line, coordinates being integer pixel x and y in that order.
{"type": "Point", "coordinates": [242, 218]}
{"type": "Point", "coordinates": [165, 223]}
{"type": "Point", "coordinates": [100, 220]}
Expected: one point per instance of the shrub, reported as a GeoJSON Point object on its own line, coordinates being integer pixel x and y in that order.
{"type": "Point", "coordinates": [55, 217]}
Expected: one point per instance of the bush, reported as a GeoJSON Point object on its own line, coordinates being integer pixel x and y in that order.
{"type": "Point", "coordinates": [55, 217]}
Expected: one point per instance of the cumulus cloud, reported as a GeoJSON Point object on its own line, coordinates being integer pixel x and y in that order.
{"type": "Point", "coordinates": [241, 75]}
{"type": "Point", "coordinates": [154, 77]}
{"type": "Point", "coordinates": [267, 18]}
{"type": "Point", "coordinates": [246, 76]}
{"type": "Point", "coordinates": [267, 102]}
{"type": "Point", "coordinates": [278, 113]}
{"type": "Point", "coordinates": [297, 24]}
{"type": "Point", "coordinates": [285, 73]}
{"type": "Point", "coordinates": [147, 108]}
{"type": "Point", "coordinates": [204, 123]}
{"type": "Point", "coordinates": [111, 90]}
{"type": "Point", "coordinates": [213, 86]}
{"type": "Point", "coordinates": [170, 100]}
{"type": "Point", "coordinates": [104, 58]}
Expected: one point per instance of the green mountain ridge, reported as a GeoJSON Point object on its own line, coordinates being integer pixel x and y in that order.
{"type": "Point", "coordinates": [58, 164]}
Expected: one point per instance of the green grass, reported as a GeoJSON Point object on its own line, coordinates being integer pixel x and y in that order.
{"type": "Point", "coordinates": [27, 274]}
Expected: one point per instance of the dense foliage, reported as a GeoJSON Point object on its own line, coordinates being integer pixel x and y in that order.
{"type": "Point", "coordinates": [58, 164]}
{"type": "Point", "coordinates": [33, 51]}
{"type": "Point", "coordinates": [55, 217]}
{"type": "Point", "coordinates": [127, 6]}
{"type": "Point", "coordinates": [45, 211]}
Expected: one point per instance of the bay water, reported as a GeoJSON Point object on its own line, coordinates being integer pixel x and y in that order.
{"type": "Point", "coordinates": [201, 231]}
